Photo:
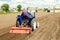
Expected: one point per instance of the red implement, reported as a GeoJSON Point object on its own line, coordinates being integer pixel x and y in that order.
{"type": "Point", "coordinates": [20, 29]}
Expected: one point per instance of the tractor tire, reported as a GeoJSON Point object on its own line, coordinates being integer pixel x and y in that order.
{"type": "Point", "coordinates": [33, 25]}
{"type": "Point", "coordinates": [17, 23]}
{"type": "Point", "coordinates": [37, 24]}
{"type": "Point", "coordinates": [32, 29]}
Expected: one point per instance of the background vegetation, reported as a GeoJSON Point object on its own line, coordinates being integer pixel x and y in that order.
{"type": "Point", "coordinates": [5, 9]}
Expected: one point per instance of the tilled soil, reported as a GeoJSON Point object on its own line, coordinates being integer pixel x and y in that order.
{"type": "Point", "coordinates": [7, 20]}
{"type": "Point", "coordinates": [49, 29]}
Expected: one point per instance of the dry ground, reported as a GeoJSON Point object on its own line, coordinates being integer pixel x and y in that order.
{"type": "Point", "coordinates": [49, 28]}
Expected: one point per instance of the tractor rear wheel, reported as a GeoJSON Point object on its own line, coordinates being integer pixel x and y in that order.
{"type": "Point", "coordinates": [17, 23]}
{"type": "Point", "coordinates": [37, 24]}
{"type": "Point", "coordinates": [33, 25]}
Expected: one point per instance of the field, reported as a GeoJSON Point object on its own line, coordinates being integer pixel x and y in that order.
{"type": "Point", "coordinates": [49, 28]}
{"type": "Point", "coordinates": [3, 12]}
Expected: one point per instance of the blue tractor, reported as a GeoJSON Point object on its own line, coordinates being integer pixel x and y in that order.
{"type": "Point", "coordinates": [24, 21]}
{"type": "Point", "coordinates": [28, 25]}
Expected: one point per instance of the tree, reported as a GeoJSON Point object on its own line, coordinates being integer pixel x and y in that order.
{"type": "Point", "coordinates": [5, 7]}
{"type": "Point", "coordinates": [19, 8]}
{"type": "Point", "coordinates": [45, 9]}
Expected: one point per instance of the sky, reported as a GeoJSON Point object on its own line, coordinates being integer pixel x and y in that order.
{"type": "Point", "coordinates": [31, 3]}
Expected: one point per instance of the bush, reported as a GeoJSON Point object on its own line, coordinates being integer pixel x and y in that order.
{"type": "Point", "coordinates": [45, 9]}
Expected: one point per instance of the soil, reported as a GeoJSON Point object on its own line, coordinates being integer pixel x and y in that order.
{"type": "Point", "coordinates": [49, 28]}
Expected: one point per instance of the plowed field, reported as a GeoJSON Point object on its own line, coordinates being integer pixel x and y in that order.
{"type": "Point", "coordinates": [49, 28]}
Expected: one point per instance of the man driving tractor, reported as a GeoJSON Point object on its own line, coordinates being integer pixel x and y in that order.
{"type": "Point", "coordinates": [27, 15]}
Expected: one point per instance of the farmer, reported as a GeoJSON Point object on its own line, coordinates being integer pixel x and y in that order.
{"type": "Point", "coordinates": [27, 15]}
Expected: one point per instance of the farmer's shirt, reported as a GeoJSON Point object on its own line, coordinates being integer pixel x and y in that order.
{"type": "Point", "coordinates": [26, 13]}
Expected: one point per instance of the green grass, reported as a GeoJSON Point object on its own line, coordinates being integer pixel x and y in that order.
{"type": "Point", "coordinates": [2, 12]}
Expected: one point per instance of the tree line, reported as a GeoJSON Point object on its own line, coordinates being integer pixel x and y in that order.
{"type": "Point", "coordinates": [5, 7]}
